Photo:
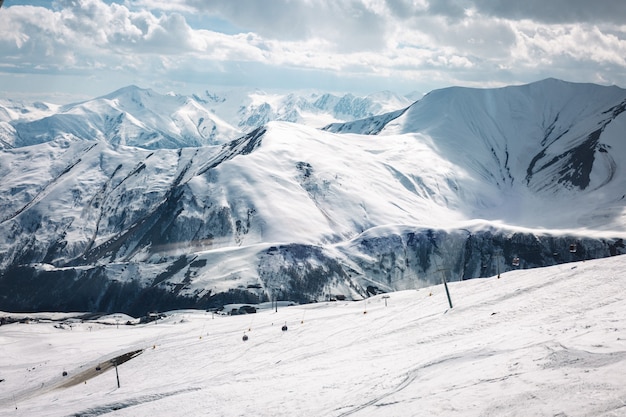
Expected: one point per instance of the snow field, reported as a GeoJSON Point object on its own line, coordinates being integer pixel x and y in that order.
{"type": "Point", "coordinates": [548, 341]}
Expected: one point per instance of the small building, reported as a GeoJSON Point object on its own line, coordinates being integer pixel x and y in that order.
{"type": "Point", "coordinates": [245, 309]}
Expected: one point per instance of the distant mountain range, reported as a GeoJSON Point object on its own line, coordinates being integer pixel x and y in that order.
{"type": "Point", "coordinates": [137, 201]}
{"type": "Point", "coordinates": [143, 118]}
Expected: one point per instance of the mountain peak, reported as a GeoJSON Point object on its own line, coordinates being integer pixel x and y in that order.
{"type": "Point", "coordinates": [129, 89]}
{"type": "Point", "coordinates": [473, 181]}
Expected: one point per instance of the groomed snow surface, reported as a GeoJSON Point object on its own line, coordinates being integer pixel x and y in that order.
{"type": "Point", "coordinates": [541, 342]}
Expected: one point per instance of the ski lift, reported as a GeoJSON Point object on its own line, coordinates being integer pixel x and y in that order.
{"type": "Point", "coordinates": [245, 337]}
{"type": "Point", "coordinates": [572, 247]}
{"type": "Point", "coordinates": [284, 328]}
{"type": "Point", "coordinates": [515, 262]}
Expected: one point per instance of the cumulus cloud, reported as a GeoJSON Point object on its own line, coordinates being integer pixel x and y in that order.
{"type": "Point", "coordinates": [443, 42]}
{"type": "Point", "coordinates": [92, 33]}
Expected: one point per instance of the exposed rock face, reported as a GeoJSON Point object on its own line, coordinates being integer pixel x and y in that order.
{"type": "Point", "coordinates": [301, 273]}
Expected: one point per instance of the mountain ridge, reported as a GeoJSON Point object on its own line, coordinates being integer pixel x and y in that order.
{"type": "Point", "coordinates": [292, 210]}
{"type": "Point", "coordinates": [141, 117]}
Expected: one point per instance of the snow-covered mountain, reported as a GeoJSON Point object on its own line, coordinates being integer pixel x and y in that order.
{"type": "Point", "coordinates": [130, 116]}
{"type": "Point", "coordinates": [143, 118]}
{"type": "Point", "coordinates": [11, 111]}
{"type": "Point", "coordinates": [14, 110]}
{"type": "Point", "coordinates": [465, 182]}
{"type": "Point", "coordinates": [251, 109]}
{"type": "Point", "coordinates": [551, 142]}
{"type": "Point", "coordinates": [541, 342]}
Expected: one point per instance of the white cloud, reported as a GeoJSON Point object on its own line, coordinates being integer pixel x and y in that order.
{"type": "Point", "coordinates": [569, 46]}
{"type": "Point", "coordinates": [427, 43]}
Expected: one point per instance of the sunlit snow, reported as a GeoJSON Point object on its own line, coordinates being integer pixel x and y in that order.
{"type": "Point", "coordinates": [541, 342]}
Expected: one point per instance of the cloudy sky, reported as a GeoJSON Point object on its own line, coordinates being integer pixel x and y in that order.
{"type": "Point", "coordinates": [68, 49]}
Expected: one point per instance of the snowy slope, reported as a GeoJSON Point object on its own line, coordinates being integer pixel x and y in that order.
{"type": "Point", "coordinates": [542, 342]}
{"type": "Point", "coordinates": [549, 144]}
{"type": "Point", "coordinates": [103, 191]}
{"type": "Point", "coordinates": [289, 210]}
{"type": "Point", "coordinates": [574, 126]}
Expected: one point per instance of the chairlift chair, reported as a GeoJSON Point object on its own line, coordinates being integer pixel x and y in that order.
{"type": "Point", "coordinates": [572, 247]}
{"type": "Point", "coordinates": [515, 261]}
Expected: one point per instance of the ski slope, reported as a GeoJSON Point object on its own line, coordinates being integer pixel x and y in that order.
{"type": "Point", "coordinates": [541, 342]}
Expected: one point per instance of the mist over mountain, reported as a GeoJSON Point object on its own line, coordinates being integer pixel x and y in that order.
{"type": "Point", "coordinates": [137, 201]}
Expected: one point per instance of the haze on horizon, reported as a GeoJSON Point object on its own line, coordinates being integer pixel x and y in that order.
{"type": "Point", "coordinates": [63, 50]}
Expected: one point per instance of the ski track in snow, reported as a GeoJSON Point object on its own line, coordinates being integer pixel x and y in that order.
{"type": "Point", "coordinates": [549, 341]}
{"type": "Point", "coordinates": [109, 408]}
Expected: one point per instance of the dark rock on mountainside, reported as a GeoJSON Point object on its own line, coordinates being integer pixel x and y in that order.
{"type": "Point", "coordinates": [303, 273]}
{"type": "Point", "coordinates": [463, 184]}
